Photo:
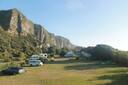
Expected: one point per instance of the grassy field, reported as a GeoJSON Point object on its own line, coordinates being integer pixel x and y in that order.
{"type": "Point", "coordinates": [70, 72]}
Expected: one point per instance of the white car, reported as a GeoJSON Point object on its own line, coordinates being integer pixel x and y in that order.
{"type": "Point", "coordinates": [35, 63]}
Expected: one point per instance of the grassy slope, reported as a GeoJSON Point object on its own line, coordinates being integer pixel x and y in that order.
{"type": "Point", "coordinates": [70, 73]}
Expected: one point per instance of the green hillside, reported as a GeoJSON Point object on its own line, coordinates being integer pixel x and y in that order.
{"type": "Point", "coordinates": [15, 47]}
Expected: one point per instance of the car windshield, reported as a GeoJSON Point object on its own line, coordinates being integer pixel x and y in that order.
{"type": "Point", "coordinates": [33, 61]}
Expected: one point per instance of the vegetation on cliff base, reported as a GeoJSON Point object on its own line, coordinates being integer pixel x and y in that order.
{"type": "Point", "coordinates": [107, 53]}
{"type": "Point", "coordinates": [17, 47]}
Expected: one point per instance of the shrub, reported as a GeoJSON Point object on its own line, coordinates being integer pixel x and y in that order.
{"type": "Point", "coordinates": [77, 58]}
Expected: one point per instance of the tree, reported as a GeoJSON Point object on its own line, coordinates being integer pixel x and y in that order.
{"type": "Point", "coordinates": [63, 51]}
{"type": "Point", "coordinates": [6, 56]}
{"type": "Point", "coordinates": [102, 52]}
{"type": "Point", "coordinates": [51, 51]}
{"type": "Point", "coordinates": [58, 51]}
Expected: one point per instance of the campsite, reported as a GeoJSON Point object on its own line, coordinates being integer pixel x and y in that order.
{"type": "Point", "coordinates": [63, 42]}
{"type": "Point", "coordinates": [64, 71]}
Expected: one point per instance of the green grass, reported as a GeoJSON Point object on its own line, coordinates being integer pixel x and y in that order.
{"type": "Point", "coordinates": [70, 72]}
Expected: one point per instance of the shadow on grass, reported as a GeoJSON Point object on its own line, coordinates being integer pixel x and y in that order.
{"type": "Point", "coordinates": [117, 76]}
{"type": "Point", "coordinates": [120, 78]}
{"type": "Point", "coordinates": [90, 65]}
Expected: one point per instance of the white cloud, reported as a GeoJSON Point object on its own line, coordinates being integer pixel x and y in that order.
{"type": "Point", "coordinates": [75, 4]}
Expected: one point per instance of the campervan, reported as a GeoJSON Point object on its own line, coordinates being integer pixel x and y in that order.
{"type": "Point", "coordinates": [34, 60]}
{"type": "Point", "coordinates": [43, 55]}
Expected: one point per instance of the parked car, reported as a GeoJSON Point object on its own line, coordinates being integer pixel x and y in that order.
{"type": "Point", "coordinates": [13, 70]}
{"type": "Point", "coordinates": [35, 62]}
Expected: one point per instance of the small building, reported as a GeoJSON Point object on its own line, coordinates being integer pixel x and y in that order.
{"type": "Point", "coordinates": [69, 54]}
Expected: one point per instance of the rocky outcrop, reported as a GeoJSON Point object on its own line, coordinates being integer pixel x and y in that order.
{"type": "Point", "coordinates": [16, 23]}
{"type": "Point", "coordinates": [63, 42]}
{"type": "Point", "coordinates": [39, 32]}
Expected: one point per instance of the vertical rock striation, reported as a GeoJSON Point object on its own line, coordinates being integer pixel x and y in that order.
{"type": "Point", "coordinates": [15, 23]}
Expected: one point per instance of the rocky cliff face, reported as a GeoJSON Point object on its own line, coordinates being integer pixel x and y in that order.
{"type": "Point", "coordinates": [63, 42]}
{"type": "Point", "coordinates": [15, 23]}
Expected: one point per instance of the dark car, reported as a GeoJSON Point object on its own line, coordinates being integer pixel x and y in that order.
{"type": "Point", "coordinates": [13, 70]}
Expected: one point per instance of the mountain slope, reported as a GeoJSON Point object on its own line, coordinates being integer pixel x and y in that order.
{"type": "Point", "coordinates": [15, 23]}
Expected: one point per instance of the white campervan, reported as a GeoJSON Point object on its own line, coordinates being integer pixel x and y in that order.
{"type": "Point", "coordinates": [44, 55]}
{"type": "Point", "coordinates": [34, 60]}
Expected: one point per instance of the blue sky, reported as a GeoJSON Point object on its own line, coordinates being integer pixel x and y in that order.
{"type": "Point", "coordinates": [84, 22]}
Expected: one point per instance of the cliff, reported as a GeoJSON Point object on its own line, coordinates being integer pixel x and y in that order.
{"type": "Point", "coordinates": [15, 23]}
